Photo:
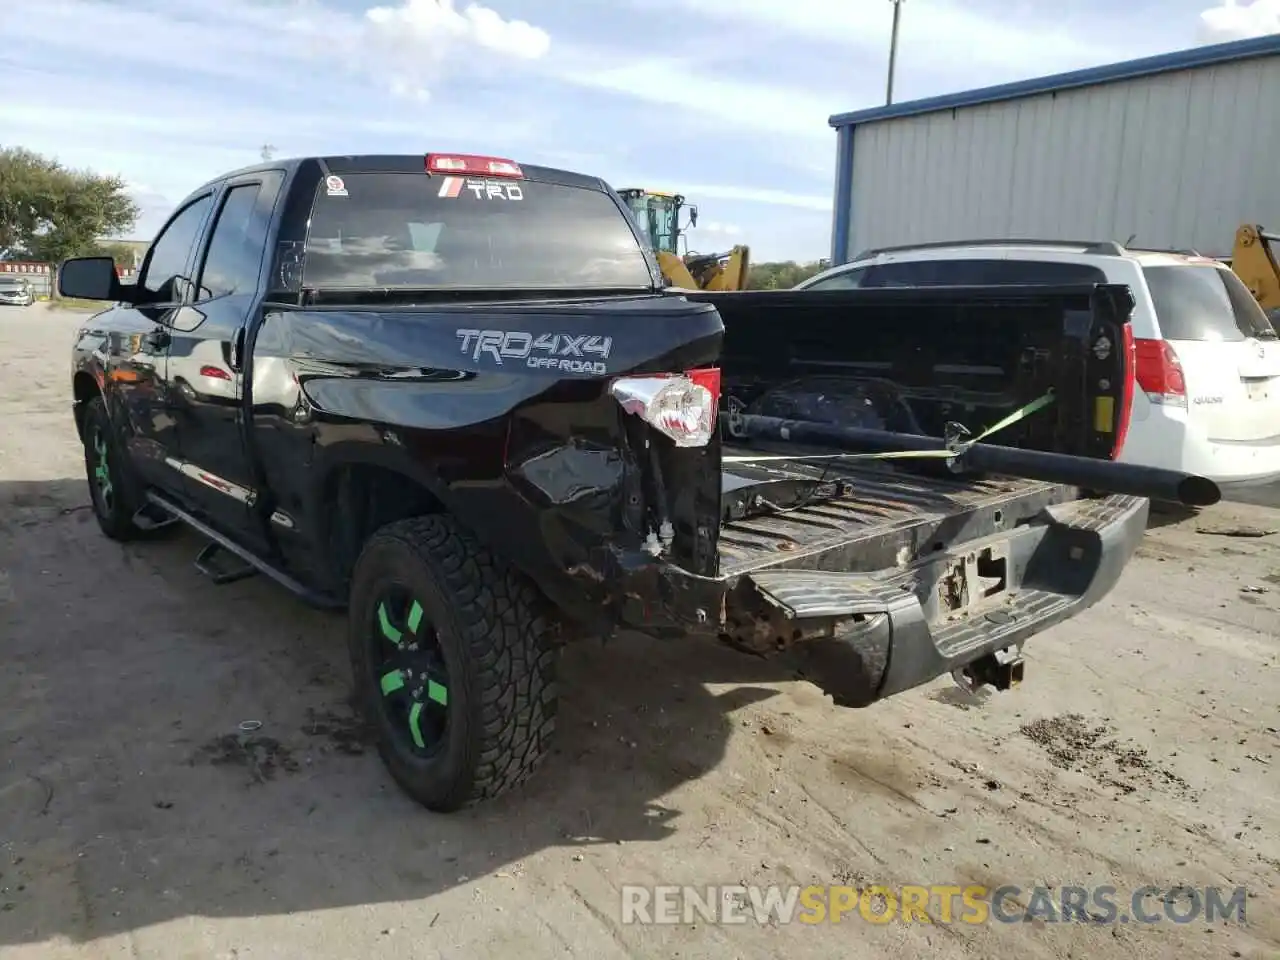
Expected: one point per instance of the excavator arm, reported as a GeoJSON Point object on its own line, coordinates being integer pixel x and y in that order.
{"type": "Point", "coordinates": [720, 271]}
{"type": "Point", "coordinates": [1253, 260]}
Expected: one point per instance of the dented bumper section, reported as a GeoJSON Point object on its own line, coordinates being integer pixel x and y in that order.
{"type": "Point", "coordinates": [864, 636]}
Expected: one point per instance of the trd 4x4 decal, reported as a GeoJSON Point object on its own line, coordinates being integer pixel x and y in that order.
{"type": "Point", "coordinates": [540, 351]}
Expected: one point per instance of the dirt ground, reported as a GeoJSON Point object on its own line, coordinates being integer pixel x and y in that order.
{"type": "Point", "coordinates": [137, 821]}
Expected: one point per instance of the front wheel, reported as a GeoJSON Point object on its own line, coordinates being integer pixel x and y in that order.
{"type": "Point", "coordinates": [453, 662]}
{"type": "Point", "coordinates": [105, 468]}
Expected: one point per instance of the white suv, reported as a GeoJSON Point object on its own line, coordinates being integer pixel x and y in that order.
{"type": "Point", "coordinates": [1208, 360]}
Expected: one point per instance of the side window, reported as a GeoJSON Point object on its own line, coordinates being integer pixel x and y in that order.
{"type": "Point", "coordinates": [847, 280]}
{"type": "Point", "coordinates": [164, 280]}
{"type": "Point", "coordinates": [972, 272]}
{"type": "Point", "coordinates": [904, 274]}
{"type": "Point", "coordinates": [236, 246]}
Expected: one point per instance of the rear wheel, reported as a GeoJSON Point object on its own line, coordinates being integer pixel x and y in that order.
{"type": "Point", "coordinates": [453, 663]}
{"type": "Point", "coordinates": [105, 468]}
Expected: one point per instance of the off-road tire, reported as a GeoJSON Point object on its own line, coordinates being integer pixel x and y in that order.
{"type": "Point", "coordinates": [494, 631]}
{"type": "Point", "coordinates": [113, 512]}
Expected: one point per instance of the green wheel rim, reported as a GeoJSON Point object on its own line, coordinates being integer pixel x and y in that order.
{"type": "Point", "coordinates": [104, 491]}
{"type": "Point", "coordinates": [411, 671]}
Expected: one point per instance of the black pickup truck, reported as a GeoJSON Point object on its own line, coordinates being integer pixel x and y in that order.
{"type": "Point", "coordinates": [450, 395]}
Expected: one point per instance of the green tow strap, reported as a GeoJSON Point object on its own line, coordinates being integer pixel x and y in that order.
{"type": "Point", "coordinates": [957, 450]}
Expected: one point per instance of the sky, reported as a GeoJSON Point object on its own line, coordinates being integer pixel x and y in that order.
{"type": "Point", "coordinates": [725, 102]}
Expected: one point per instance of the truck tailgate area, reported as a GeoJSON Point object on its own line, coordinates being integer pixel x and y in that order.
{"type": "Point", "coordinates": [893, 578]}
{"type": "Point", "coordinates": [863, 516]}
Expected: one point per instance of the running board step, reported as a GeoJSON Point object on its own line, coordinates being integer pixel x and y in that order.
{"type": "Point", "coordinates": [323, 601]}
{"type": "Point", "coordinates": [153, 517]}
{"type": "Point", "coordinates": [805, 594]}
{"type": "Point", "coordinates": [207, 563]}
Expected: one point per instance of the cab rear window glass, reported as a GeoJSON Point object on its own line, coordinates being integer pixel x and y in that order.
{"type": "Point", "coordinates": [396, 230]}
{"type": "Point", "coordinates": [1204, 303]}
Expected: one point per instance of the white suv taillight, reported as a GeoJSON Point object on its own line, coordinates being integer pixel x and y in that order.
{"type": "Point", "coordinates": [680, 406]}
{"type": "Point", "coordinates": [1159, 373]}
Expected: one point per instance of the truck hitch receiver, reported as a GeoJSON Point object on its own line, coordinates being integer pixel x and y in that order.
{"type": "Point", "coordinates": [1003, 670]}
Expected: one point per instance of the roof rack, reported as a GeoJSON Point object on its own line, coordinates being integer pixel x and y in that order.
{"type": "Point", "coordinates": [1181, 251]}
{"type": "Point", "coordinates": [1108, 248]}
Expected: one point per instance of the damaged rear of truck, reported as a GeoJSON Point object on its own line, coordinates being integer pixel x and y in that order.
{"type": "Point", "coordinates": [877, 571]}
{"type": "Point", "coordinates": [450, 395]}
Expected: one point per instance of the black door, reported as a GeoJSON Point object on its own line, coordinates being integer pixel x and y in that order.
{"type": "Point", "coordinates": [136, 361]}
{"type": "Point", "coordinates": [206, 361]}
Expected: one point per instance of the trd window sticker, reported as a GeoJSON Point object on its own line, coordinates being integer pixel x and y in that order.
{"type": "Point", "coordinates": [454, 187]}
{"type": "Point", "coordinates": [334, 186]}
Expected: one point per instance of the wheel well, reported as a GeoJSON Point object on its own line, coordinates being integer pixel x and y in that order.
{"type": "Point", "coordinates": [84, 388]}
{"type": "Point", "coordinates": [360, 498]}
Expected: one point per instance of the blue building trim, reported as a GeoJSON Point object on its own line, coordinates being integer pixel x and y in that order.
{"type": "Point", "coordinates": [1147, 66]}
{"type": "Point", "coordinates": [844, 123]}
{"type": "Point", "coordinates": [844, 196]}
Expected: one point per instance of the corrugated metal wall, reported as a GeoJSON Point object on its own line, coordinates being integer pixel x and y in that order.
{"type": "Point", "coordinates": [1179, 159]}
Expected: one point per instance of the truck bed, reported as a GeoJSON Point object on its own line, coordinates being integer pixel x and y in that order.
{"type": "Point", "coordinates": [879, 511]}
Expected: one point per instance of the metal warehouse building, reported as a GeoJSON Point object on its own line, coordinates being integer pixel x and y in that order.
{"type": "Point", "coordinates": [1174, 151]}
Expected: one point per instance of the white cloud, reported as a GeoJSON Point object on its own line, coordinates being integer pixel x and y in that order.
{"type": "Point", "coordinates": [174, 124]}
{"type": "Point", "coordinates": [429, 22]}
{"type": "Point", "coordinates": [949, 33]}
{"type": "Point", "coordinates": [776, 198]}
{"type": "Point", "coordinates": [412, 42]}
{"type": "Point", "coordinates": [403, 48]}
{"type": "Point", "coordinates": [695, 192]}
{"type": "Point", "coordinates": [715, 228]}
{"type": "Point", "coordinates": [672, 82]}
{"type": "Point", "coordinates": [1239, 21]}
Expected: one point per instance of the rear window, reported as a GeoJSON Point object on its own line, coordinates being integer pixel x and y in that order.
{"type": "Point", "coordinates": [388, 230]}
{"type": "Point", "coordinates": [1204, 303]}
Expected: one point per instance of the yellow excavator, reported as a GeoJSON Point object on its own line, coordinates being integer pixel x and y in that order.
{"type": "Point", "coordinates": [658, 215]}
{"type": "Point", "coordinates": [1254, 261]}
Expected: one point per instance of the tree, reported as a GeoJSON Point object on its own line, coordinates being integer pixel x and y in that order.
{"type": "Point", "coordinates": [780, 276]}
{"type": "Point", "coordinates": [49, 212]}
{"type": "Point", "coordinates": [123, 254]}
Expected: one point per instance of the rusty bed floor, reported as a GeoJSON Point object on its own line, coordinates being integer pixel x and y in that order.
{"type": "Point", "coordinates": [876, 499]}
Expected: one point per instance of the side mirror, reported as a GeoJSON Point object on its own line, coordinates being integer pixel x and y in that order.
{"type": "Point", "coordinates": [89, 278]}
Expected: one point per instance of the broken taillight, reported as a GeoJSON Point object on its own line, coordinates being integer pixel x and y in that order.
{"type": "Point", "coordinates": [682, 407]}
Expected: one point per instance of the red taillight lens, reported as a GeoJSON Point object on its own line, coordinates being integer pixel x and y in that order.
{"type": "Point", "coordinates": [470, 164]}
{"type": "Point", "coordinates": [216, 373]}
{"type": "Point", "coordinates": [1126, 396]}
{"type": "Point", "coordinates": [1159, 372]}
{"type": "Point", "coordinates": [681, 407]}
{"type": "Point", "coordinates": [709, 379]}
